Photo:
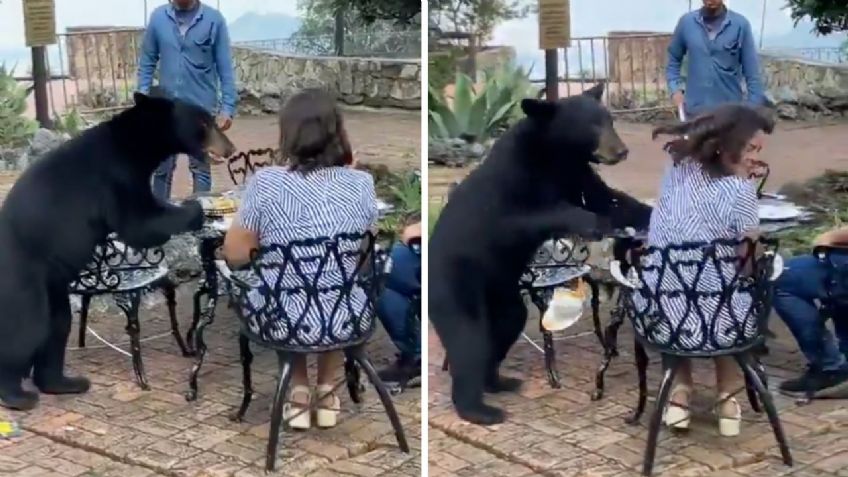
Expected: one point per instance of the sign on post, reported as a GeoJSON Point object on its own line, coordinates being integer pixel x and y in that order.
{"type": "Point", "coordinates": [554, 24]}
{"type": "Point", "coordinates": [40, 22]}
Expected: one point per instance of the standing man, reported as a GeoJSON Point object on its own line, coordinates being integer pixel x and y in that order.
{"type": "Point", "coordinates": [189, 42]}
{"type": "Point", "coordinates": [719, 46]}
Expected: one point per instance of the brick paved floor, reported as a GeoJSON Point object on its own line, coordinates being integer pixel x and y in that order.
{"type": "Point", "coordinates": [118, 430]}
{"type": "Point", "coordinates": [562, 433]}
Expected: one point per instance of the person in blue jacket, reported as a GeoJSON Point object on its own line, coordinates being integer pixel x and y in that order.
{"type": "Point", "coordinates": [723, 66]}
{"type": "Point", "coordinates": [189, 42]}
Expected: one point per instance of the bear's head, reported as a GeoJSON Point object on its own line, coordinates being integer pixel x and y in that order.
{"type": "Point", "coordinates": [180, 127]}
{"type": "Point", "coordinates": [577, 125]}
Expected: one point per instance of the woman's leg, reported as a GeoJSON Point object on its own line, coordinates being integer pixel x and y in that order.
{"type": "Point", "coordinates": [677, 414]}
{"type": "Point", "coordinates": [296, 411]}
{"type": "Point", "coordinates": [727, 384]}
{"type": "Point", "coordinates": [727, 375]}
{"type": "Point", "coordinates": [329, 404]}
{"type": "Point", "coordinates": [329, 365]}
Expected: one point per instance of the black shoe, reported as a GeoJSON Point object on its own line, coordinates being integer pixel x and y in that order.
{"type": "Point", "coordinates": [402, 372]}
{"type": "Point", "coordinates": [823, 384]}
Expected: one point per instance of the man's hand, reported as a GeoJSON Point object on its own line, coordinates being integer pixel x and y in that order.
{"type": "Point", "coordinates": [224, 122]}
{"type": "Point", "coordinates": [832, 238]}
{"type": "Point", "coordinates": [677, 98]}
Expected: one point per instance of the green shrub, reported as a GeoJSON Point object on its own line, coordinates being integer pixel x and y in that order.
{"type": "Point", "coordinates": [15, 129]}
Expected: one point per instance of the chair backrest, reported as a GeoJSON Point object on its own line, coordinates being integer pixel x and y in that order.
{"type": "Point", "coordinates": [242, 165]}
{"type": "Point", "coordinates": [313, 294]}
{"type": "Point", "coordinates": [114, 264]}
{"type": "Point", "coordinates": [702, 297]}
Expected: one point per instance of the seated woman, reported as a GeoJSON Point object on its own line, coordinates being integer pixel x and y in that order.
{"type": "Point", "coordinates": [310, 193]}
{"type": "Point", "coordinates": [705, 196]}
{"type": "Point", "coordinates": [393, 309]}
{"type": "Point", "coordinates": [796, 291]}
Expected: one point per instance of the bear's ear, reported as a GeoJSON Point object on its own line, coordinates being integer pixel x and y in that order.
{"type": "Point", "coordinates": [140, 98]}
{"type": "Point", "coordinates": [538, 108]}
{"type": "Point", "coordinates": [596, 91]}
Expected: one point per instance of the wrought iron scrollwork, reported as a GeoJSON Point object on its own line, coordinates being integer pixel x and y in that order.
{"type": "Point", "coordinates": [702, 297]}
{"type": "Point", "coordinates": [244, 164]}
{"type": "Point", "coordinates": [115, 266]}
{"type": "Point", "coordinates": [554, 257]}
{"type": "Point", "coordinates": [313, 294]}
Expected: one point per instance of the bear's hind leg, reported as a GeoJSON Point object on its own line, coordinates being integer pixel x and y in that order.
{"type": "Point", "coordinates": [509, 316]}
{"type": "Point", "coordinates": [12, 393]}
{"type": "Point", "coordinates": [468, 352]}
{"type": "Point", "coordinates": [49, 366]}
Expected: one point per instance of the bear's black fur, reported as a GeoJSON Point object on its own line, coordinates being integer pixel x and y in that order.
{"type": "Point", "coordinates": [537, 182]}
{"type": "Point", "coordinates": [67, 203]}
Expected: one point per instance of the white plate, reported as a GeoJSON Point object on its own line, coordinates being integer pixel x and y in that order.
{"type": "Point", "coordinates": [777, 211]}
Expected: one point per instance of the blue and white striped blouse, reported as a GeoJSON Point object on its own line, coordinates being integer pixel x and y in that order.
{"type": "Point", "coordinates": [284, 206]}
{"type": "Point", "coordinates": [696, 207]}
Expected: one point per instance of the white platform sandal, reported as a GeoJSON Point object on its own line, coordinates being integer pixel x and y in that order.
{"type": "Point", "coordinates": [329, 406]}
{"type": "Point", "coordinates": [729, 425]}
{"type": "Point", "coordinates": [297, 413]}
{"type": "Point", "coordinates": [678, 417]}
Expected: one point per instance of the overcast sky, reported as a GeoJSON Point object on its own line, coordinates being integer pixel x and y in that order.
{"type": "Point", "coordinates": [118, 12]}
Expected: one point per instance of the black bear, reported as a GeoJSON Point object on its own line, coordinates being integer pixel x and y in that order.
{"type": "Point", "coordinates": [537, 182]}
{"type": "Point", "coordinates": [62, 207]}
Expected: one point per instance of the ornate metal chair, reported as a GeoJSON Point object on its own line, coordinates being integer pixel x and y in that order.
{"type": "Point", "coordinates": [127, 274]}
{"type": "Point", "coordinates": [242, 165]}
{"type": "Point", "coordinates": [282, 301]}
{"type": "Point", "coordinates": [700, 310]}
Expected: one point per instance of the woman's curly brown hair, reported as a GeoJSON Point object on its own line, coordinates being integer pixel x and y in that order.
{"type": "Point", "coordinates": [312, 134]}
{"type": "Point", "coordinates": [718, 138]}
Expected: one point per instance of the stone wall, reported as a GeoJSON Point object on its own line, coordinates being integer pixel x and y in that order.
{"type": "Point", "coordinates": [266, 78]}
{"type": "Point", "coordinates": [805, 89]}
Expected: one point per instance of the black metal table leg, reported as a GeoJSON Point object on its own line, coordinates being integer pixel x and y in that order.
{"type": "Point", "coordinates": [247, 379]}
{"type": "Point", "coordinates": [541, 298]}
{"type": "Point", "coordinates": [129, 303]}
{"type": "Point", "coordinates": [610, 348]}
{"type": "Point", "coordinates": [352, 376]}
{"type": "Point", "coordinates": [209, 287]}
{"type": "Point", "coordinates": [85, 302]}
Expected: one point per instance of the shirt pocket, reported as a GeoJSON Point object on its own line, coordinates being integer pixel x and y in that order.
{"type": "Point", "coordinates": [727, 53]}
{"type": "Point", "coordinates": [201, 46]}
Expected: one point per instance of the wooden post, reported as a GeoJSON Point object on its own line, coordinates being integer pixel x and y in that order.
{"type": "Point", "coordinates": [40, 78]}
{"type": "Point", "coordinates": [551, 75]}
{"type": "Point", "coordinates": [40, 29]}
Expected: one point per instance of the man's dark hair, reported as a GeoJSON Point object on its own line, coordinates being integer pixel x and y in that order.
{"type": "Point", "coordinates": [312, 134]}
{"type": "Point", "coordinates": [716, 139]}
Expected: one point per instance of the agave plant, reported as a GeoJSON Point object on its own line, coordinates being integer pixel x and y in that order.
{"type": "Point", "coordinates": [474, 114]}
{"type": "Point", "coordinates": [513, 78]}
{"type": "Point", "coordinates": [15, 129]}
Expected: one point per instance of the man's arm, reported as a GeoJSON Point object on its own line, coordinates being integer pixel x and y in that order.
{"type": "Point", "coordinates": [224, 65]}
{"type": "Point", "coordinates": [676, 52]}
{"type": "Point", "coordinates": [148, 59]}
{"type": "Point", "coordinates": [751, 67]}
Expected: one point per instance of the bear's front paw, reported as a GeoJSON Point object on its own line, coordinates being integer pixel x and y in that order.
{"type": "Point", "coordinates": [481, 414]}
{"type": "Point", "coordinates": [194, 212]}
{"type": "Point", "coordinates": [63, 385]}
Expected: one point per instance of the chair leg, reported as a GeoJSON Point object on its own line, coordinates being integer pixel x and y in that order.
{"type": "Point", "coordinates": [752, 395]}
{"type": "Point", "coordinates": [354, 380]}
{"type": "Point", "coordinates": [670, 366]}
{"type": "Point", "coordinates": [642, 371]}
{"type": "Point", "coordinates": [169, 289]}
{"type": "Point", "coordinates": [277, 409]}
{"type": "Point", "coordinates": [596, 309]}
{"type": "Point", "coordinates": [83, 326]}
{"type": "Point", "coordinates": [610, 346]}
{"type": "Point", "coordinates": [129, 303]}
{"type": "Point", "coordinates": [359, 355]}
{"type": "Point", "coordinates": [247, 379]}
{"type": "Point", "coordinates": [745, 362]}
{"type": "Point", "coordinates": [195, 319]}
{"type": "Point", "coordinates": [200, 347]}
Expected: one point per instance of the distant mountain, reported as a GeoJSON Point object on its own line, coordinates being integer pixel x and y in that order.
{"type": "Point", "coordinates": [268, 26]}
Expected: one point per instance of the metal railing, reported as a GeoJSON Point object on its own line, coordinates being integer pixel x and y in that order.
{"type": "Point", "coordinates": [831, 55]}
{"type": "Point", "coordinates": [383, 44]}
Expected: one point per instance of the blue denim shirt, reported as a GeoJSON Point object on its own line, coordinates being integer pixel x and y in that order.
{"type": "Point", "coordinates": [190, 67]}
{"type": "Point", "coordinates": [716, 67]}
